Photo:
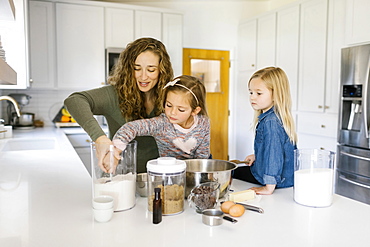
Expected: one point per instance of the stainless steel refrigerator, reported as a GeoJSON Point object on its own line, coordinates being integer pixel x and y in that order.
{"type": "Point", "coordinates": [353, 151]}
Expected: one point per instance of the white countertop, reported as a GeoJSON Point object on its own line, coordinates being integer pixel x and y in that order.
{"type": "Point", "coordinates": [45, 200]}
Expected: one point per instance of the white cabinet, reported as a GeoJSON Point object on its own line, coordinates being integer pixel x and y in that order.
{"type": "Point", "coordinates": [312, 62]}
{"type": "Point", "coordinates": [14, 39]}
{"type": "Point", "coordinates": [42, 44]}
{"type": "Point", "coordinates": [266, 40]}
{"type": "Point", "coordinates": [317, 124]}
{"type": "Point", "coordinates": [317, 130]}
{"type": "Point", "coordinates": [119, 27]}
{"type": "Point", "coordinates": [287, 47]}
{"type": "Point", "coordinates": [148, 24]}
{"type": "Point", "coordinates": [247, 45]}
{"type": "Point", "coordinates": [172, 38]}
{"type": "Point", "coordinates": [80, 46]}
{"type": "Point", "coordinates": [336, 41]}
{"type": "Point", "coordinates": [358, 19]}
{"type": "Point", "coordinates": [68, 40]}
{"type": "Point", "coordinates": [309, 141]}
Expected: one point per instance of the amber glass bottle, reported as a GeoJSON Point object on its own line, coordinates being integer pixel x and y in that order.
{"type": "Point", "coordinates": [157, 206]}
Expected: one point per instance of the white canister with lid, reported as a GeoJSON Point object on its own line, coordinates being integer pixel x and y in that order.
{"type": "Point", "coordinates": [168, 174]}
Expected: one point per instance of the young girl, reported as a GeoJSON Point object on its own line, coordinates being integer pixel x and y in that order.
{"type": "Point", "coordinates": [183, 130]}
{"type": "Point", "coordinates": [272, 164]}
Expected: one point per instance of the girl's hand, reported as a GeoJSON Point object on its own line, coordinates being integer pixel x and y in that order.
{"type": "Point", "coordinates": [268, 189]}
{"type": "Point", "coordinates": [250, 159]}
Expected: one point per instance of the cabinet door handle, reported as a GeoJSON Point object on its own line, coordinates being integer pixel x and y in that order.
{"type": "Point", "coordinates": [327, 107]}
{"type": "Point", "coordinates": [87, 140]}
{"type": "Point", "coordinates": [319, 106]}
{"type": "Point", "coordinates": [323, 126]}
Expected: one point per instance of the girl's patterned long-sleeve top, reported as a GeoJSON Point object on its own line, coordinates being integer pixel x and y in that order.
{"type": "Point", "coordinates": [172, 140]}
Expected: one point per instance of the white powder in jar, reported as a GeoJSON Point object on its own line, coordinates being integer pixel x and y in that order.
{"type": "Point", "coordinates": [122, 188]}
{"type": "Point", "coordinates": [314, 187]}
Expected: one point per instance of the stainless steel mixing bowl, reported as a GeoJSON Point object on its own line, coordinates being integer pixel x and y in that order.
{"type": "Point", "coordinates": [205, 170]}
{"type": "Point", "coordinates": [142, 184]}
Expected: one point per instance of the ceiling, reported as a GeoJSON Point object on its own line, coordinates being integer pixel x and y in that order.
{"type": "Point", "coordinates": [132, 1]}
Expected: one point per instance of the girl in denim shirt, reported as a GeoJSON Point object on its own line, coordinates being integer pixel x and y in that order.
{"type": "Point", "coordinates": [272, 164]}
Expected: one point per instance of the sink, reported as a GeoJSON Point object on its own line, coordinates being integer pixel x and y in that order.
{"type": "Point", "coordinates": [29, 144]}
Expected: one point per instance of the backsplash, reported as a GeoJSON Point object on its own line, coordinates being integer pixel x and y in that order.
{"type": "Point", "coordinates": [44, 103]}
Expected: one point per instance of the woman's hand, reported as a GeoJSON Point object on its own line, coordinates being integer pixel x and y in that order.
{"type": "Point", "coordinates": [111, 160]}
{"type": "Point", "coordinates": [102, 145]}
{"type": "Point", "coordinates": [250, 159]}
{"type": "Point", "coordinates": [268, 189]}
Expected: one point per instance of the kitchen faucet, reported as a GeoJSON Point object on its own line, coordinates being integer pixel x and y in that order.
{"type": "Point", "coordinates": [14, 103]}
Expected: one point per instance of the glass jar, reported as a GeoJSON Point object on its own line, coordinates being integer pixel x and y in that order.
{"type": "Point", "coordinates": [168, 174]}
{"type": "Point", "coordinates": [313, 177]}
{"type": "Point", "coordinates": [121, 184]}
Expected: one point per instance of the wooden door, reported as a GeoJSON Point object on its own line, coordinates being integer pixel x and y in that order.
{"type": "Point", "coordinates": [217, 95]}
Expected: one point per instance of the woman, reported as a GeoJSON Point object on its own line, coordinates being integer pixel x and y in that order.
{"type": "Point", "coordinates": [134, 92]}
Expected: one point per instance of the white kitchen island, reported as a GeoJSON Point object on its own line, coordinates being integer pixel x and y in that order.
{"type": "Point", "coordinates": [45, 200]}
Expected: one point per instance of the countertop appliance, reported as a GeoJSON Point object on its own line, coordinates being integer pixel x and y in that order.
{"type": "Point", "coordinates": [353, 150]}
{"type": "Point", "coordinates": [26, 119]}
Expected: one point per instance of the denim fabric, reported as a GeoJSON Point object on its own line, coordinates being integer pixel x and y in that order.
{"type": "Point", "coordinates": [273, 151]}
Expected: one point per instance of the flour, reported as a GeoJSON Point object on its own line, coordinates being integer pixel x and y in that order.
{"type": "Point", "coordinates": [122, 188]}
{"type": "Point", "coordinates": [314, 187]}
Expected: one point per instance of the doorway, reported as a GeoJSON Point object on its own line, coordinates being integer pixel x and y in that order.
{"type": "Point", "coordinates": [212, 68]}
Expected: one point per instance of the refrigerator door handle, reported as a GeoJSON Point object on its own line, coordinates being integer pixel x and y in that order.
{"type": "Point", "coordinates": [353, 182]}
{"type": "Point", "coordinates": [365, 101]}
{"type": "Point", "coordinates": [355, 156]}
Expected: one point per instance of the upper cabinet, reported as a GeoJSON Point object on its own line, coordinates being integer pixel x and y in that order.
{"type": "Point", "coordinates": [80, 46]}
{"type": "Point", "coordinates": [68, 40]}
{"type": "Point", "coordinates": [172, 38]}
{"type": "Point", "coordinates": [312, 55]}
{"type": "Point", "coordinates": [14, 41]}
{"type": "Point", "coordinates": [266, 39]}
{"type": "Point", "coordinates": [148, 24]}
{"type": "Point", "coordinates": [336, 40]}
{"type": "Point", "coordinates": [358, 19]}
{"type": "Point", "coordinates": [287, 47]}
{"type": "Point", "coordinates": [119, 27]}
{"type": "Point", "coordinates": [247, 45]}
{"type": "Point", "coordinates": [42, 45]}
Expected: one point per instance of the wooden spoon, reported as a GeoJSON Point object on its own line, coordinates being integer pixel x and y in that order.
{"type": "Point", "coordinates": [240, 161]}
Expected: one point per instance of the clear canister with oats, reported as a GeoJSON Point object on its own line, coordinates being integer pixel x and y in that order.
{"type": "Point", "coordinates": [169, 174]}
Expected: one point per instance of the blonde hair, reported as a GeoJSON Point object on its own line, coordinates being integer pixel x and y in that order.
{"type": "Point", "coordinates": [131, 99]}
{"type": "Point", "coordinates": [192, 84]}
{"type": "Point", "coordinates": [277, 82]}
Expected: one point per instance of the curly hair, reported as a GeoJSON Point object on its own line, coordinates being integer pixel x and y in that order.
{"type": "Point", "coordinates": [131, 99]}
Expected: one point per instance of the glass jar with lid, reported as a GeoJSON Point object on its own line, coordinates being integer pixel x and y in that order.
{"type": "Point", "coordinates": [169, 174]}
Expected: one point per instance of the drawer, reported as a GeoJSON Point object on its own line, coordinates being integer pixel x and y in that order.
{"type": "Point", "coordinates": [79, 140]}
{"type": "Point", "coordinates": [353, 186]}
{"type": "Point", "coordinates": [310, 141]}
{"type": "Point", "coordinates": [318, 124]}
{"type": "Point", "coordinates": [354, 160]}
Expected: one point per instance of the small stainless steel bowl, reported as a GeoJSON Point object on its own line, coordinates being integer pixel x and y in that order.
{"type": "Point", "coordinates": [208, 170]}
{"type": "Point", "coordinates": [142, 184]}
{"type": "Point", "coordinates": [212, 217]}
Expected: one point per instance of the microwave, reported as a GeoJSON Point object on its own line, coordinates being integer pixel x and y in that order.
{"type": "Point", "coordinates": [111, 58]}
